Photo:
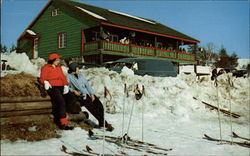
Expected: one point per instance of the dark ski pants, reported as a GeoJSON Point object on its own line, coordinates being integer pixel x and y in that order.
{"type": "Point", "coordinates": [58, 103]}
{"type": "Point", "coordinates": [95, 108]}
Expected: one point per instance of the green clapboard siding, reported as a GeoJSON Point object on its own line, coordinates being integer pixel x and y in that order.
{"type": "Point", "coordinates": [48, 28]}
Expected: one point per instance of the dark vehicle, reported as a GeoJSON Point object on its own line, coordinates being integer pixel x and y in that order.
{"type": "Point", "coordinates": [146, 66]}
{"type": "Point", "coordinates": [240, 73]}
{"type": "Point", "coordinates": [88, 65]}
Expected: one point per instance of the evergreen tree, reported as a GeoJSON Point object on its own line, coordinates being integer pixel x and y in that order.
{"type": "Point", "coordinates": [3, 48]}
{"type": "Point", "coordinates": [233, 60]}
{"type": "Point", "coordinates": [13, 48]}
{"type": "Point", "coordinates": [226, 61]}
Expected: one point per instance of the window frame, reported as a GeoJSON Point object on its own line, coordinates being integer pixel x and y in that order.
{"type": "Point", "coordinates": [54, 12]}
{"type": "Point", "coordinates": [62, 40]}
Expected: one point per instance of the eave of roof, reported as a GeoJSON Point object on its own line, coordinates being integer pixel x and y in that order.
{"type": "Point", "coordinates": [125, 21]}
{"type": "Point", "coordinates": [33, 22]}
{"type": "Point", "coordinates": [114, 20]}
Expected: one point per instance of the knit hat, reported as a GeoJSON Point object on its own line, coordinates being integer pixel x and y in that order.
{"type": "Point", "coordinates": [72, 67]}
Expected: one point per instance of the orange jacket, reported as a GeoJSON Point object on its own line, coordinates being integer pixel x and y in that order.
{"type": "Point", "coordinates": [54, 75]}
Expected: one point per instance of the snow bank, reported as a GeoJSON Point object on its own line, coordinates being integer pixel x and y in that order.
{"type": "Point", "coordinates": [242, 63]}
{"type": "Point", "coordinates": [172, 117]}
{"type": "Point", "coordinates": [21, 62]}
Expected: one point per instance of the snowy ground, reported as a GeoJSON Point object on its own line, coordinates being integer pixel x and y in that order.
{"type": "Point", "coordinates": [172, 118]}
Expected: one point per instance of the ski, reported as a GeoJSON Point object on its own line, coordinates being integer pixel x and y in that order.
{"type": "Point", "coordinates": [64, 149]}
{"type": "Point", "coordinates": [139, 142]}
{"type": "Point", "coordinates": [129, 145]}
{"type": "Point", "coordinates": [88, 152]}
{"type": "Point", "coordinates": [244, 144]}
{"type": "Point", "coordinates": [237, 136]}
{"type": "Point", "coordinates": [226, 112]}
{"type": "Point", "coordinates": [133, 144]}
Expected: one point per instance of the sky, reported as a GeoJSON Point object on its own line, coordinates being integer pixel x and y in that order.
{"type": "Point", "coordinates": [223, 23]}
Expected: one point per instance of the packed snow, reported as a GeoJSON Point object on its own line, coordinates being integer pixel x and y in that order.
{"type": "Point", "coordinates": [91, 13]}
{"type": "Point", "coordinates": [171, 117]}
{"type": "Point", "coordinates": [135, 17]}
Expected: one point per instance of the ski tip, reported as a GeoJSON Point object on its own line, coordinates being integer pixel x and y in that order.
{"type": "Point", "coordinates": [234, 134]}
{"type": "Point", "coordinates": [90, 133]}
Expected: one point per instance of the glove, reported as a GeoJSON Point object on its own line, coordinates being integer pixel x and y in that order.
{"type": "Point", "coordinates": [65, 89]}
{"type": "Point", "coordinates": [47, 85]}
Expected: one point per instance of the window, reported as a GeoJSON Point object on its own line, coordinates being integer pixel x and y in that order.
{"type": "Point", "coordinates": [62, 40]}
{"type": "Point", "coordinates": [54, 12]}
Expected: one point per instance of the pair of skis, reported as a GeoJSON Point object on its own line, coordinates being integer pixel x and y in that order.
{"type": "Point", "coordinates": [244, 143]}
{"type": "Point", "coordinates": [125, 142]}
{"type": "Point", "coordinates": [133, 144]}
{"type": "Point", "coordinates": [86, 152]}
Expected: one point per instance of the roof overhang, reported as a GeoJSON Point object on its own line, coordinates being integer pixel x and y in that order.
{"type": "Point", "coordinates": [33, 22]}
{"type": "Point", "coordinates": [149, 32]}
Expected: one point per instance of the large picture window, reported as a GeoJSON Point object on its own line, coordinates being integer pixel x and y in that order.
{"type": "Point", "coordinates": [62, 37]}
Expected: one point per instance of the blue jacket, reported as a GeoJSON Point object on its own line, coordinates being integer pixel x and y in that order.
{"type": "Point", "coordinates": [80, 84]}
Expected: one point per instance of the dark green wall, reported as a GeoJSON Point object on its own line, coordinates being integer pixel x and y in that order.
{"type": "Point", "coordinates": [48, 27]}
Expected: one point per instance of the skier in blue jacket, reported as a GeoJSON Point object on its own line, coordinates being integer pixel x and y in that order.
{"type": "Point", "coordinates": [86, 95]}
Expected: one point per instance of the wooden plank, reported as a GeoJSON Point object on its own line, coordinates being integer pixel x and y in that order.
{"type": "Point", "coordinates": [25, 112]}
{"type": "Point", "coordinates": [25, 119]}
{"type": "Point", "coordinates": [20, 106]}
{"type": "Point", "coordinates": [23, 99]}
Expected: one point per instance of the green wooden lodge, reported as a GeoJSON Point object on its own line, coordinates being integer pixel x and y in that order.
{"type": "Point", "coordinates": [74, 29]}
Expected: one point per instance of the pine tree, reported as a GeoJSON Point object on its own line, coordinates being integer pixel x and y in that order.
{"type": "Point", "coordinates": [233, 60]}
{"type": "Point", "coordinates": [3, 48]}
{"type": "Point", "coordinates": [13, 48]}
{"type": "Point", "coordinates": [223, 61]}
{"type": "Point", "coordinates": [226, 61]}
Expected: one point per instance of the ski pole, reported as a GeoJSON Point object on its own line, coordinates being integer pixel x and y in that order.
{"type": "Point", "coordinates": [123, 112]}
{"type": "Point", "coordinates": [143, 92]}
{"type": "Point", "coordinates": [218, 104]}
{"type": "Point", "coordinates": [104, 125]}
{"type": "Point", "coordinates": [130, 116]}
{"type": "Point", "coordinates": [230, 107]}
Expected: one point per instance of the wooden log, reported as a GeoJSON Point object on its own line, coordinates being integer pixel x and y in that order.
{"type": "Point", "coordinates": [20, 106]}
{"type": "Point", "coordinates": [25, 119]}
{"type": "Point", "coordinates": [26, 112]}
{"type": "Point", "coordinates": [23, 99]}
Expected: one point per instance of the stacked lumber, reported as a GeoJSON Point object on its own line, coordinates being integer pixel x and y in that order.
{"type": "Point", "coordinates": [16, 110]}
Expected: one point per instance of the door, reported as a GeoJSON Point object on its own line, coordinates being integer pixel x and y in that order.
{"type": "Point", "coordinates": [35, 53]}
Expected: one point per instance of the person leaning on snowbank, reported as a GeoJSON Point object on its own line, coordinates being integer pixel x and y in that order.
{"type": "Point", "coordinates": [56, 84]}
{"type": "Point", "coordinates": [81, 88]}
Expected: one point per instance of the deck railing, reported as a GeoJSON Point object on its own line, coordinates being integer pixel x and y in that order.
{"type": "Point", "coordinates": [130, 50]}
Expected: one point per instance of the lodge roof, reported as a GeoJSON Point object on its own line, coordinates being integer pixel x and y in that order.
{"type": "Point", "coordinates": [111, 17]}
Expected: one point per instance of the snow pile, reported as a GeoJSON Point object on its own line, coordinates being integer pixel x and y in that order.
{"type": "Point", "coordinates": [125, 70]}
{"type": "Point", "coordinates": [171, 117]}
{"type": "Point", "coordinates": [21, 62]}
{"type": "Point", "coordinates": [242, 63]}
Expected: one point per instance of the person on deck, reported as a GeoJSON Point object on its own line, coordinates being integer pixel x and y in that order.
{"type": "Point", "coordinates": [81, 88]}
{"type": "Point", "coordinates": [56, 84]}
